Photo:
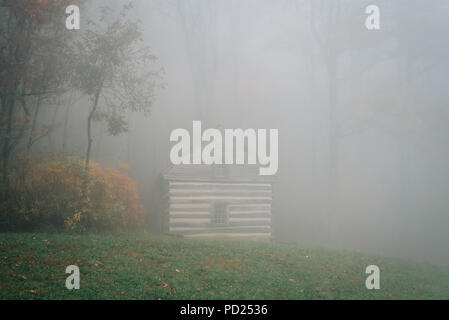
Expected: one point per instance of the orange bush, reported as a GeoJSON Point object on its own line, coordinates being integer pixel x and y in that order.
{"type": "Point", "coordinates": [56, 192]}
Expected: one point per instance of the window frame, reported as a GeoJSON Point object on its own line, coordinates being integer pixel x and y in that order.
{"type": "Point", "coordinates": [223, 218]}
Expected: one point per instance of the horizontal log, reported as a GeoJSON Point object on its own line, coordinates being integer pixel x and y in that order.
{"type": "Point", "coordinates": [213, 198]}
{"type": "Point", "coordinates": [220, 196]}
{"type": "Point", "coordinates": [231, 216]}
{"type": "Point", "coordinates": [209, 224]}
{"type": "Point", "coordinates": [214, 179]}
{"type": "Point", "coordinates": [190, 210]}
{"type": "Point", "coordinates": [234, 192]}
{"type": "Point", "coordinates": [190, 215]}
{"type": "Point", "coordinates": [231, 201]}
{"type": "Point", "coordinates": [214, 184]}
{"type": "Point", "coordinates": [238, 219]}
{"type": "Point", "coordinates": [190, 221]}
{"type": "Point", "coordinates": [249, 206]}
{"type": "Point", "coordinates": [220, 187]}
{"type": "Point", "coordinates": [187, 230]}
{"type": "Point", "coordinates": [191, 205]}
{"type": "Point", "coordinates": [248, 211]}
{"type": "Point", "coordinates": [250, 215]}
{"type": "Point", "coordinates": [255, 236]}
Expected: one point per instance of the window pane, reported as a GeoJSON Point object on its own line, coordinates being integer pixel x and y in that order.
{"type": "Point", "coordinates": [220, 213]}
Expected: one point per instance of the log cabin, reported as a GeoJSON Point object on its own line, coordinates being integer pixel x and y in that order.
{"type": "Point", "coordinates": [221, 201]}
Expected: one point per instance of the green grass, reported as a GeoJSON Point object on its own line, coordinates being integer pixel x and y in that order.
{"type": "Point", "coordinates": [147, 266]}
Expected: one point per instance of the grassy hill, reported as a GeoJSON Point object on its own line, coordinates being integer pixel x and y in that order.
{"type": "Point", "coordinates": [147, 266]}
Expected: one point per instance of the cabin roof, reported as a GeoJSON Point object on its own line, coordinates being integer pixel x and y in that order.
{"type": "Point", "coordinates": [195, 172]}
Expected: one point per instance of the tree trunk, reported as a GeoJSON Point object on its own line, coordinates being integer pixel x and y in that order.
{"type": "Point", "coordinates": [33, 127]}
{"type": "Point", "coordinates": [6, 149]}
{"type": "Point", "coordinates": [89, 127]}
{"type": "Point", "coordinates": [65, 128]}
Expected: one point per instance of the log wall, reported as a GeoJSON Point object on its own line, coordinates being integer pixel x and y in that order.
{"type": "Point", "coordinates": [190, 208]}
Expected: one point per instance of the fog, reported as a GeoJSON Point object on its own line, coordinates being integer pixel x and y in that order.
{"type": "Point", "coordinates": [362, 114]}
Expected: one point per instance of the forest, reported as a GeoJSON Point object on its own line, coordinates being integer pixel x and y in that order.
{"type": "Point", "coordinates": [361, 113]}
{"type": "Point", "coordinates": [93, 94]}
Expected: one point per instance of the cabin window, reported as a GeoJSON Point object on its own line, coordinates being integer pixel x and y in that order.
{"type": "Point", "coordinates": [220, 214]}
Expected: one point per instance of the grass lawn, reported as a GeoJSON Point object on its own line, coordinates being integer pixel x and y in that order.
{"type": "Point", "coordinates": [148, 266]}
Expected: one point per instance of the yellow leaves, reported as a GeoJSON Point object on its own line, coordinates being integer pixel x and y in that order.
{"type": "Point", "coordinates": [55, 186]}
{"type": "Point", "coordinates": [124, 167]}
{"type": "Point", "coordinates": [77, 217]}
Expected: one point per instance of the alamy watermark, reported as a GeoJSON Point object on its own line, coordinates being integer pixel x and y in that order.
{"type": "Point", "coordinates": [372, 22]}
{"type": "Point", "coordinates": [73, 280]}
{"type": "Point", "coordinates": [373, 280]}
{"type": "Point", "coordinates": [72, 21]}
{"type": "Point", "coordinates": [220, 150]}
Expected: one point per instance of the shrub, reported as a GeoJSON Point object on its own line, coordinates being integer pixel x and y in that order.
{"type": "Point", "coordinates": [56, 192]}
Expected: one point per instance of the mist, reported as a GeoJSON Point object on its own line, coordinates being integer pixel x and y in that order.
{"type": "Point", "coordinates": [362, 114]}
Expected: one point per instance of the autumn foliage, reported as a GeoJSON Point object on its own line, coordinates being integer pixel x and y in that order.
{"type": "Point", "coordinates": [57, 193]}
